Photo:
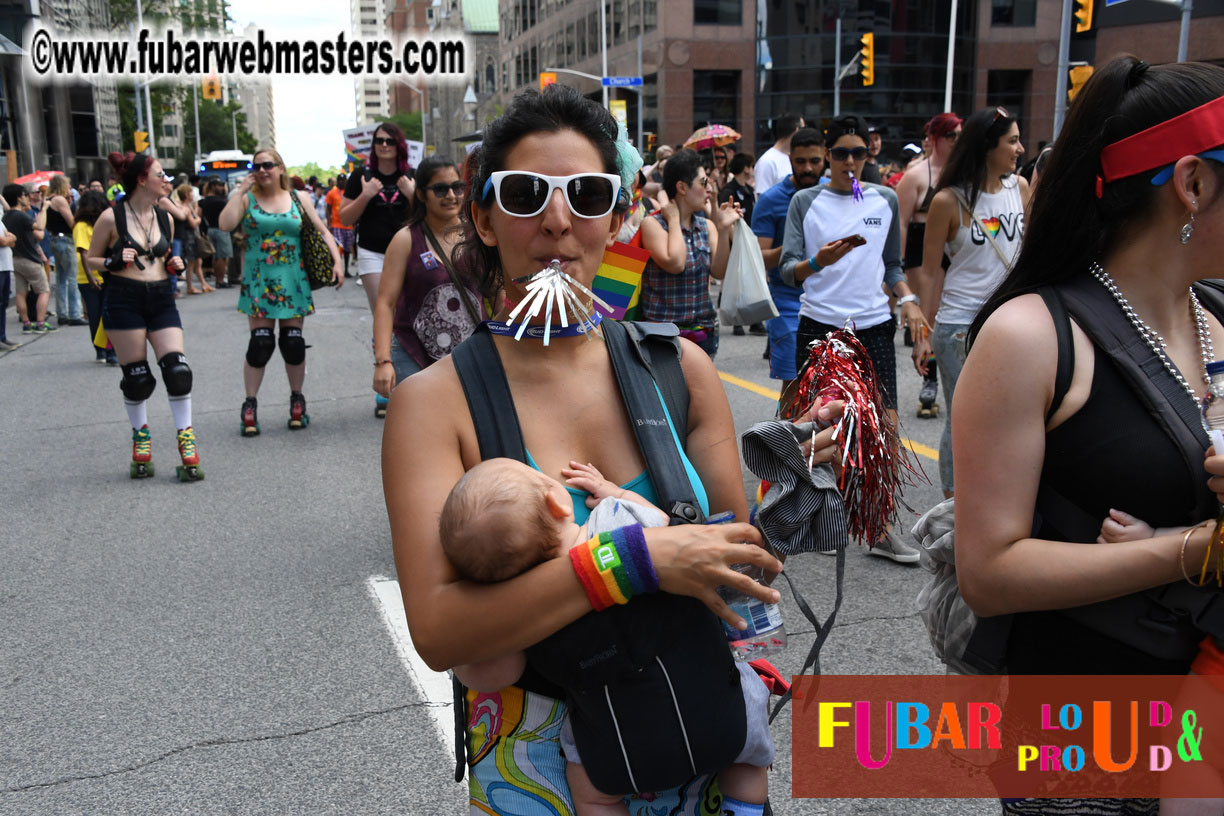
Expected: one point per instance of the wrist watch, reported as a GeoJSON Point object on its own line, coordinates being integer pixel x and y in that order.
{"type": "Point", "coordinates": [908, 299]}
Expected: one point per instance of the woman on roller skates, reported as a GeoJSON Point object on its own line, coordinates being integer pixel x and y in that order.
{"type": "Point", "coordinates": [274, 285]}
{"type": "Point", "coordinates": [131, 244]}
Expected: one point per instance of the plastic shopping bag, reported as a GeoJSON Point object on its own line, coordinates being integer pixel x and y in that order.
{"type": "Point", "coordinates": [745, 294]}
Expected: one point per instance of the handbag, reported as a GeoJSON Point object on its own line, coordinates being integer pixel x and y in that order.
{"type": "Point", "coordinates": [204, 247]}
{"type": "Point", "coordinates": [316, 257]}
{"type": "Point", "coordinates": [745, 294]}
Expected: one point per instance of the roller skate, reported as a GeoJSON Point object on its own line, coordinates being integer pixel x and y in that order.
{"type": "Point", "coordinates": [380, 406]}
{"type": "Point", "coordinates": [190, 470]}
{"type": "Point", "coordinates": [927, 407]}
{"type": "Point", "coordinates": [298, 418]}
{"type": "Point", "coordinates": [142, 454]}
{"type": "Point", "coordinates": [250, 421]}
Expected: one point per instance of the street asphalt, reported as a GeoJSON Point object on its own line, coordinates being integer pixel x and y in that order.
{"type": "Point", "coordinates": [215, 648]}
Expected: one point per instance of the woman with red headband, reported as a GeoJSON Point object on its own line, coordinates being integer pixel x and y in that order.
{"type": "Point", "coordinates": [132, 242]}
{"type": "Point", "coordinates": [1055, 423]}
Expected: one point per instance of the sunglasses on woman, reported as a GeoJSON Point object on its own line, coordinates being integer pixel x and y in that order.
{"type": "Point", "coordinates": [843, 153]}
{"type": "Point", "coordinates": [523, 194]}
{"type": "Point", "coordinates": [264, 165]}
{"type": "Point", "coordinates": [383, 140]}
{"type": "Point", "coordinates": [442, 188]}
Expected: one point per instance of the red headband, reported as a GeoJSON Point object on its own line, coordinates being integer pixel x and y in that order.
{"type": "Point", "coordinates": [1188, 134]}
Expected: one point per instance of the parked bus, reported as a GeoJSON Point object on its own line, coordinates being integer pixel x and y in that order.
{"type": "Point", "coordinates": [230, 166]}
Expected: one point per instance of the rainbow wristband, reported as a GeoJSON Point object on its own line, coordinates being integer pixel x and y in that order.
{"type": "Point", "coordinates": [615, 566]}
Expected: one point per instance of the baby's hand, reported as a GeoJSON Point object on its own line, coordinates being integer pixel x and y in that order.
{"type": "Point", "coordinates": [587, 477]}
{"type": "Point", "coordinates": [1121, 526]}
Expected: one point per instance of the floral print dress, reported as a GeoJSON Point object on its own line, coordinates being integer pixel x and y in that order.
{"type": "Point", "coordinates": [274, 283]}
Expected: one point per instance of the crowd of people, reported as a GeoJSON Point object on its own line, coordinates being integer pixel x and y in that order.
{"type": "Point", "coordinates": [999, 273]}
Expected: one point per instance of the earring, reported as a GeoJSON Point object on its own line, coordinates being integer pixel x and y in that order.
{"type": "Point", "coordinates": [1187, 230]}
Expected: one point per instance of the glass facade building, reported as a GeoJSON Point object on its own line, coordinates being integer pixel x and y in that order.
{"type": "Point", "coordinates": [796, 46]}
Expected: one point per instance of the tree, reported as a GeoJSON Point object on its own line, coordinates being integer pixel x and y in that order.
{"type": "Point", "coordinates": [305, 171]}
{"type": "Point", "coordinates": [410, 123]}
{"type": "Point", "coordinates": [216, 127]}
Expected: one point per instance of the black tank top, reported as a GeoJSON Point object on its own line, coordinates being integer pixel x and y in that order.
{"type": "Point", "coordinates": [56, 224]}
{"type": "Point", "coordinates": [1110, 454]}
{"type": "Point", "coordinates": [123, 227]}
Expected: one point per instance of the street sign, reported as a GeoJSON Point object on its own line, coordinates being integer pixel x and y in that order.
{"type": "Point", "coordinates": [621, 82]}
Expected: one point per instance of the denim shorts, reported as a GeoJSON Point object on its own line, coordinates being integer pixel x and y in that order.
{"type": "Point", "coordinates": [129, 304]}
{"type": "Point", "coordinates": [223, 245]}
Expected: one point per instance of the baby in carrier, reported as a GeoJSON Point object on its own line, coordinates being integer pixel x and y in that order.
{"type": "Point", "coordinates": [501, 519]}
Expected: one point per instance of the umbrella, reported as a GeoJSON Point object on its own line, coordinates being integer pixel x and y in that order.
{"type": "Point", "coordinates": [38, 178]}
{"type": "Point", "coordinates": [711, 136]}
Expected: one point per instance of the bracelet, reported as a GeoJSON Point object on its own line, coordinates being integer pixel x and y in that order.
{"type": "Point", "coordinates": [614, 566]}
{"type": "Point", "coordinates": [815, 266]}
{"type": "Point", "coordinates": [1182, 558]}
{"type": "Point", "coordinates": [901, 301]}
{"type": "Point", "coordinates": [1216, 544]}
{"type": "Point", "coordinates": [377, 363]}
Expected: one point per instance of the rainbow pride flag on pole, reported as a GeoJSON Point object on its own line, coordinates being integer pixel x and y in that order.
{"type": "Point", "coordinates": [619, 281]}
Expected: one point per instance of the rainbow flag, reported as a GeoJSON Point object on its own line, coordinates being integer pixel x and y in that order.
{"type": "Point", "coordinates": [619, 281]}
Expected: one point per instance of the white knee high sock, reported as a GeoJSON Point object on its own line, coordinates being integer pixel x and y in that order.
{"type": "Point", "coordinates": [181, 408]}
{"type": "Point", "coordinates": [138, 413]}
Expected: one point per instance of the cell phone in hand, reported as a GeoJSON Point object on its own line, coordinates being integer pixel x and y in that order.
{"type": "Point", "coordinates": [855, 240]}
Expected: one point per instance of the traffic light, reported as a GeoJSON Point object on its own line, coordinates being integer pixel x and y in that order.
{"type": "Point", "coordinates": [547, 78]}
{"type": "Point", "coordinates": [142, 141]}
{"type": "Point", "coordinates": [867, 67]}
{"type": "Point", "coordinates": [212, 88]}
{"type": "Point", "coordinates": [1077, 76]}
{"type": "Point", "coordinates": [1083, 15]}
{"type": "Point", "coordinates": [651, 140]}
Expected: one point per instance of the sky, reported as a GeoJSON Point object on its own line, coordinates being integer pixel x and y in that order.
{"type": "Point", "coordinates": [310, 111]}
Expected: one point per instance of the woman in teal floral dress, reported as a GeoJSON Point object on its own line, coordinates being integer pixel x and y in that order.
{"type": "Point", "coordinates": [274, 285]}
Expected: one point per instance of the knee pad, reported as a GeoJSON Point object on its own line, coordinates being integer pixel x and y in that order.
{"type": "Point", "coordinates": [138, 381]}
{"type": "Point", "coordinates": [259, 350]}
{"type": "Point", "coordinates": [292, 346]}
{"type": "Point", "coordinates": [176, 374]}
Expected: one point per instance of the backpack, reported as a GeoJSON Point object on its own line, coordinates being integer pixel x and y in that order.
{"type": "Point", "coordinates": [642, 680]}
{"type": "Point", "coordinates": [1166, 622]}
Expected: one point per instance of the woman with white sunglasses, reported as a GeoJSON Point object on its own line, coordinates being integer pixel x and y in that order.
{"type": "Point", "coordinates": [546, 187]}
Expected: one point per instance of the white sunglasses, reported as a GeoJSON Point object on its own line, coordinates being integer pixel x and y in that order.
{"type": "Point", "coordinates": [523, 194]}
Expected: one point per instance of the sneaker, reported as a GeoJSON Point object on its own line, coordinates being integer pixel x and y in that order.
{"type": "Point", "coordinates": [112, 360]}
{"type": "Point", "coordinates": [100, 357]}
{"type": "Point", "coordinates": [62, 321]}
{"type": "Point", "coordinates": [758, 330]}
{"type": "Point", "coordinates": [78, 321]}
{"type": "Point", "coordinates": [359, 283]}
{"type": "Point", "coordinates": [45, 327]}
{"type": "Point", "coordinates": [738, 331]}
{"type": "Point", "coordinates": [891, 546]}
{"type": "Point", "coordinates": [7, 346]}
{"type": "Point", "coordinates": [26, 328]}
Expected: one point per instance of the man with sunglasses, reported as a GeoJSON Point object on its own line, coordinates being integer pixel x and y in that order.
{"type": "Point", "coordinates": [843, 246]}
{"type": "Point", "coordinates": [807, 159]}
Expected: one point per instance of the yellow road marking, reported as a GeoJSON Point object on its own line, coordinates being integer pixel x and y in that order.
{"type": "Point", "coordinates": [772, 393]}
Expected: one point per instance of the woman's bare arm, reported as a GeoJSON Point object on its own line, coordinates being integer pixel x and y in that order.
{"type": "Point", "coordinates": [1001, 401]}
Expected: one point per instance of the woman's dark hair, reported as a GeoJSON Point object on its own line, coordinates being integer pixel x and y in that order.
{"type": "Point", "coordinates": [401, 147]}
{"type": "Point", "coordinates": [846, 125]}
{"type": "Point", "coordinates": [425, 172]}
{"type": "Point", "coordinates": [682, 166]}
{"type": "Point", "coordinates": [129, 167]}
{"type": "Point", "coordinates": [91, 206]}
{"type": "Point", "coordinates": [1068, 227]}
{"type": "Point", "coordinates": [556, 108]}
{"type": "Point", "coordinates": [966, 167]}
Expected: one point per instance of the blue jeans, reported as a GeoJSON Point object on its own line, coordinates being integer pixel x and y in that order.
{"type": "Point", "coordinates": [403, 363]}
{"type": "Point", "coordinates": [67, 298]}
{"type": "Point", "coordinates": [949, 342]}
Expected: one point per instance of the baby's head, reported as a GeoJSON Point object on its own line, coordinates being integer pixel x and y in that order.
{"type": "Point", "coordinates": [502, 518]}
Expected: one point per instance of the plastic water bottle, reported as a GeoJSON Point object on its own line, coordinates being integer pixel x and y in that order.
{"type": "Point", "coordinates": [765, 634]}
{"type": "Point", "coordinates": [1213, 406]}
